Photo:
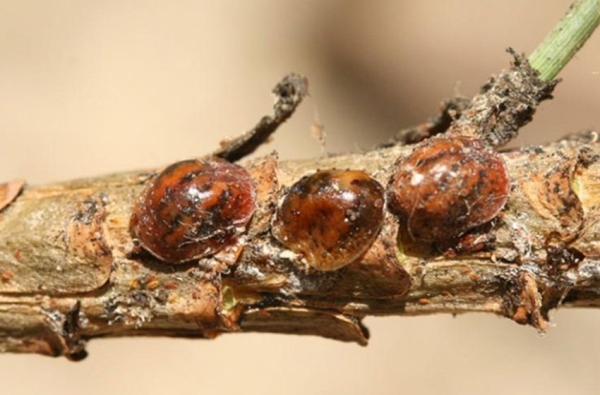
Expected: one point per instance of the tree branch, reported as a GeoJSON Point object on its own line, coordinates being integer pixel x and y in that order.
{"type": "Point", "coordinates": [70, 274]}
{"type": "Point", "coordinates": [70, 270]}
{"type": "Point", "coordinates": [289, 93]}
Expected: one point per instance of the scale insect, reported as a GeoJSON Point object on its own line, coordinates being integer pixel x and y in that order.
{"type": "Point", "coordinates": [330, 217]}
{"type": "Point", "coordinates": [193, 208]}
{"type": "Point", "coordinates": [446, 187]}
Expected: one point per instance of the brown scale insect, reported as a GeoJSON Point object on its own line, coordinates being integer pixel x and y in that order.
{"type": "Point", "coordinates": [330, 217]}
{"type": "Point", "coordinates": [448, 186]}
{"type": "Point", "coordinates": [193, 209]}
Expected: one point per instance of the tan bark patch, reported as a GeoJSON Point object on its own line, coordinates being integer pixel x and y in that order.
{"type": "Point", "coordinates": [552, 196]}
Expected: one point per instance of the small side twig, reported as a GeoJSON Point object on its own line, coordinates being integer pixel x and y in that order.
{"type": "Point", "coordinates": [290, 92]}
{"type": "Point", "coordinates": [505, 104]}
{"type": "Point", "coordinates": [569, 35]}
{"type": "Point", "coordinates": [450, 110]}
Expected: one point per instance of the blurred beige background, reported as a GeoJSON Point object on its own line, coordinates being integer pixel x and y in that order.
{"type": "Point", "coordinates": [90, 87]}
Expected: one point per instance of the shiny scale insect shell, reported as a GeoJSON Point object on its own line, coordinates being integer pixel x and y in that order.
{"type": "Point", "coordinates": [330, 217]}
{"type": "Point", "coordinates": [193, 209]}
{"type": "Point", "coordinates": [448, 186]}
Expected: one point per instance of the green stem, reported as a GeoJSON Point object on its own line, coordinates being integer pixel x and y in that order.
{"type": "Point", "coordinates": [566, 39]}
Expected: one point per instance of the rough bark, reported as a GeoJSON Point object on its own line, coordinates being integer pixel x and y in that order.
{"type": "Point", "coordinates": [70, 270]}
